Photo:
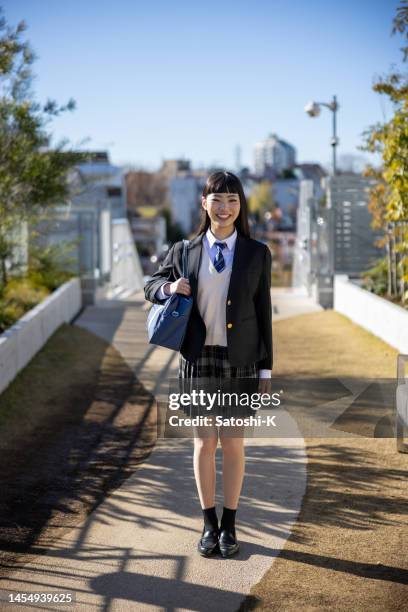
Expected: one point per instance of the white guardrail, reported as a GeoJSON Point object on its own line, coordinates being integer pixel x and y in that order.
{"type": "Point", "coordinates": [27, 336]}
{"type": "Point", "coordinates": [379, 316]}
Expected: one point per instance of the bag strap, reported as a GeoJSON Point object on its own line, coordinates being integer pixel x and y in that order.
{"type": "Point", "coordinates": [185, 258]}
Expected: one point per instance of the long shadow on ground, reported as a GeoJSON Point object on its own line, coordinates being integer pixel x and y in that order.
{"type": "Point", "coordinates": [80, 427]}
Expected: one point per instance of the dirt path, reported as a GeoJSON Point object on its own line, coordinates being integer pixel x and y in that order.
{"type": "Point", "coordinates": [349, 548]}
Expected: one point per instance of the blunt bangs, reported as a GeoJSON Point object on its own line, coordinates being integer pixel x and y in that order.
{"type": "Point", "coordinates": [222, 182]}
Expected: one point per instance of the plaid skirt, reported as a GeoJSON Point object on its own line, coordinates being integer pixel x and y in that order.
{"type": "Point", "coordinates": [212, 373]}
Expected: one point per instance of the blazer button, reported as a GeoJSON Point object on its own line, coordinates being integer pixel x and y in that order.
{"type": "Point", "coordinates": [229, 302]}
{"type": "Point", "coordinates": [229, 325]}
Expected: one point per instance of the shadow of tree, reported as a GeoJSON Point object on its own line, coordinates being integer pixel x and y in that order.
{"type": "Point", "coordinates": [355, 492]}
{"type": "Point", "coordinates": [87, 436]}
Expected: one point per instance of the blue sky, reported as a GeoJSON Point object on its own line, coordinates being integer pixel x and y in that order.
{"type": "Point", "coordinates": [155, 80]}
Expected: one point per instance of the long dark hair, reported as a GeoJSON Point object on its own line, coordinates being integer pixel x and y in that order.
{"type": "Point", "coordinates": [226, 182]}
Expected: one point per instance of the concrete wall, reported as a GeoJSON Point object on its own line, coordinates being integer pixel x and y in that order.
{"type": "Point", "coordinates": [126, 272]}
{"type": "Point", "coordinates": [382, 318]}
{"type": "Point", "coordinates": [24, 339]}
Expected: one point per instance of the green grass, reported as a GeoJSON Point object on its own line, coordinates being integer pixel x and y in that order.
{"type": "Point", "coordinates": [58, 368]}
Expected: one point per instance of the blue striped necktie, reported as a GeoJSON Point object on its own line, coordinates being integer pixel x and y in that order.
{"type": "Point", "coordinates": [219, 261]}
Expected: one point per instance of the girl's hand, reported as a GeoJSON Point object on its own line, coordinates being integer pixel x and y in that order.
{"type": "Point", "coordinates": [181, 285]}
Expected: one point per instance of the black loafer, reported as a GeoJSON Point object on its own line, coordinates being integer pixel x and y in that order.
{"type": "Point", "coordinates": [228, 543]}
{"type": "Point", "coordinates": [208, 543]}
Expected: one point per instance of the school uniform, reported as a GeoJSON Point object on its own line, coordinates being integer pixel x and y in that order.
{"type": "Point", "coordinates": [229, 333]}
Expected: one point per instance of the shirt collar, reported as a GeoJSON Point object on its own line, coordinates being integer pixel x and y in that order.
{"type": "Point", "coordinates": [230, 241]}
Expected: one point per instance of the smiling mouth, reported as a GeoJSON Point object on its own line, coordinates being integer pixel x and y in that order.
{"type": "Point", "coordinates": [223, 217]}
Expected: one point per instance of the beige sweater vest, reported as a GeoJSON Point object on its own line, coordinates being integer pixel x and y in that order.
{"type": "Point", "coordinates": [212, 294]}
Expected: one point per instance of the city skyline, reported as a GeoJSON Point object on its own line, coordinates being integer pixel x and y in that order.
{"type": "Point", "coordinates": [154, 83]}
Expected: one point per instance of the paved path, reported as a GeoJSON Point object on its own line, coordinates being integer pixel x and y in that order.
{"type": "Point", "coordinates": [137, 551]}
{"type": "Point", "coordinates": [290, 302]}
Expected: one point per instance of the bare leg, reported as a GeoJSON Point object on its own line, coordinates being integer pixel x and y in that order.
{"type": "Point", "coordinates": [205, 446]}
{"type": "Point", "coordinates": [233, 464]}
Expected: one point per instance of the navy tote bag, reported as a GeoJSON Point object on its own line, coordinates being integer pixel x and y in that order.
{"type": "Point", "coordinates": [167, 323]}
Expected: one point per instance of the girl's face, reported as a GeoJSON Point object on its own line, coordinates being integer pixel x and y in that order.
{"type": "Point", "coordinates": [223, 209]}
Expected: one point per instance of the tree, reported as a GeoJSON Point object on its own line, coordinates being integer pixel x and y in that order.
{"type": "Point", "coordinates": [33, 176]}
{"type": "Point", "coordinates": [174, 232]}
{"type": "Point", "coordinates": [145, 189]}
{"type": "Point", "coordinates": [261, 199]}
{"type": "Point", "coordinates": [389, 198]}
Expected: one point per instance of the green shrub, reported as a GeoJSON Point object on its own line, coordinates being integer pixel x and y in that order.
{"type": "Point", "coordinates": [50, 266]}
{"type": "Point", "coordinates": [24, 291]}
{"type": "Point", "coordinates": [376, 278]}
{"type": "Point", "coordinates": [9, 315]}
{"type": "Point", "coordinates": [17, 297]}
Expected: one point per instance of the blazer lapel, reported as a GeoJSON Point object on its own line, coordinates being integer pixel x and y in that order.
{"type": "Point", "coordinates": [238, 264]}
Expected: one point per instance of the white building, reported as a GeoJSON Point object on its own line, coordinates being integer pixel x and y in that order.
{"type": "Point", "coordinates": [273, 154]}
{"type": "Point", "coordinates": [93, 224]}
{"type": "Point", "coordinates": [105, 179]}
{"type": "Point", "coordinates": [184, 201]}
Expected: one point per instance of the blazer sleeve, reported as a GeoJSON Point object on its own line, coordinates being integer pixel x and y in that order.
{"type": "Point", "coordinates": [164, 274]}
{"type": "Point", "coordinates": [263, 307]}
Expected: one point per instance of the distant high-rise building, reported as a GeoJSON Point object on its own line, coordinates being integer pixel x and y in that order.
{"type": "Point", "coordinates": [273, 154]}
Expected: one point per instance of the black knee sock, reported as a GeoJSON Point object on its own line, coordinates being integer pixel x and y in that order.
{"type": "Point", "coordinates": [228, 519]}
{"type": "Point", "coordinates": [210, 518]}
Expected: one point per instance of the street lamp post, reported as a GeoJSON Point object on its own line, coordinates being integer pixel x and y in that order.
{"type": "Point", "coordinates": [313, 110]}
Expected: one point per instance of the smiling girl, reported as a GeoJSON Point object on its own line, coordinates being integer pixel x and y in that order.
{"type": "Point", "coordinates": [229, 335]}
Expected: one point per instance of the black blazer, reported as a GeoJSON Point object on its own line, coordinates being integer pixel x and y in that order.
{"type": "Point", "coordinates": [248, 306]}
